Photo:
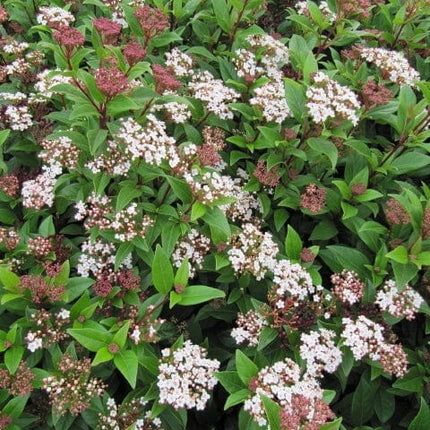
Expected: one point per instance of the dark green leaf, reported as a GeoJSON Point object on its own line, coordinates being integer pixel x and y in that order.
{"type": "Point", "coordinates": [422, 419]}
{"type": "Point", "coordinates": [230, 381]}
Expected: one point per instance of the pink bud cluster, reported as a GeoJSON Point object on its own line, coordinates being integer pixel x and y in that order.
{"type": "Point", "coordinates": [72, 390]}
{"type": "Point", "coordinates": [347, 287]}
{"type": "Point", "coordinates": [249, 327]}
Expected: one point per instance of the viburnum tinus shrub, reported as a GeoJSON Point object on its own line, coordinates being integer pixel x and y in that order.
{"type": "Point", "coordinates": [214, 215]}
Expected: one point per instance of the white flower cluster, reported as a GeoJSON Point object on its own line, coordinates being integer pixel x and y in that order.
{"type": "Point", "coordinates": [212, 186]}
{"type": "Point", "coordinates": [363, 337]}
{"type": "Point", "coordinates": [403, 303]}
{"type": "Point", "coordinates": [214, 93]}
{"type": "Point", "coordinates": [19, 117]}
{"type": "Point", "coordinates": [328, 99]}
{"type": "Point", "coordinates": [18, 67]}
{"type": "Point", "coordinates": [60, 150]}
{"type": "Point", "coordinates": [177, 112]}
{"type": "Point", "coordinates": [320, 352]}
{"type": "Point", "coordinates": [98, 258]}
{"type": "Point", "coordinates": [33, 341]}
{"type": "Point", "coordinates": [12, 46]}
{"type": "Point", "coordinates": [303, 9]}
{"type": "Point", "coordinates": [251, 64]}
{"type": "Point", "coordinates": [249, 327]}
{"type": "Point", "coordinates": [393, 65]}
{"type": "Point", "coordinates": [46, 80]}
{"type": "Point", "coordinates": [253, 252]}
{"type": "Point", "coordinates": [186, 377]}
{"type": "Point", "coordinates": [270, 98]}
{"type": "Point", "coordinates": [180, 63]}
{"type": "Point", "coordinates": [13, 97]}
{"type": "Point", "coordinates": [39, 192]}
{"type": "Point", "coordinates": [275, 53]}
{"type": "Point", "coordinates": [366, 338]}
{"type": "Point", "coordinates": [113, 161]}
{"type": "Point", "coordinates": [246, 64]}
{"type": "Point", "coordinates": [292, 280]}
{"type": "Point", "coordinates": [282, 383]}
{"type": "Point", "coordinates": [54, 16]}
{"type": "Point", "coordinates": [194, 246]}
{"type": "Point", "coordinates": [150, 143]}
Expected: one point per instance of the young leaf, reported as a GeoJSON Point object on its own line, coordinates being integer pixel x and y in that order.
{"type": "Point", "coordinates": [162, 271]}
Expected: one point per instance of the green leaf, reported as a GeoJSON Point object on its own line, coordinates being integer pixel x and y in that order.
{"type": "Point", "coordinates": [124, 250]}
{"type": "Point", "coordinates": [120, 104]}
{"type": "Point", "coordinates": [399, 254]}
{"type": "Point", "coordinates": [95, 139]}
{"type": "Point", "coordinates": [339, 257]}
{"type": "Point", "coordinates": [385, 405]}
{"type": "Point", "coordinates": [218, 223]}
{"type": "Point", "coordinates": [126, 195]}
{"type": "Point", "coordinates": [237, 397]}
{"type": "Point", "coordinates": [91, 338]}
{"type": "Point", "coordinates": [324, 230]}
{"type": "Point", "coordinates": [422, 419]}
{"type": "Point", "coordinates": [293, 244]}
{"type": "Point", "coordinates": [221, 14]}
{"type": "Point", "coordinates": [363, 400]}
{"type": "Point", "coordinates": [195, 294]}
{"type": "Point", "coordinates": [181, 189]}
{"type": "Point", "coordinates": [273, 412]}
{"type": "Point", "coordinates": [246, 368]}
{"type": "Point", "coordinates": [183, 273]}
{"type": "Point", "coordinates": [165, 39]}
{"type": "Point", "coordinates": [15, 406]}
{"type": "Point", "coordinates": [333, 425]}
{"type": "Point", "coordinates": [409, 162]}
{"type": "Point", "coordinates": [120, 337]}
{"type": "Point", "coordinates": [403, 273]}
{"type": "Point", "coordinates": [412, 385]}
{"type": "Point", "coordinates": [324, 147]}
{"type": "Point", "coordinates": [76, 286]}
{"type": "Point", "coordinates": [230, 381]}
{"type": "Point", "coordinates": [127, 363]}
{"type": "Point", "coordinates": [12, 358]}
{"type": "Point", "coordinates": [9, 280]}
{"type": "Point", "coordinates": [198, 210]}
{"type": "Point", "coordinates": [162, 271]}
{"type": "Point", "coordinates": [102, 356]}
{"type": "Point", "coordinates": [47, 227]}
{"type": "Point", "coordinates": [63, 277]}
{"type": "Point", "coordinates": [267, 336]}
{"type": "Point", "coordinates": [3, 136]}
